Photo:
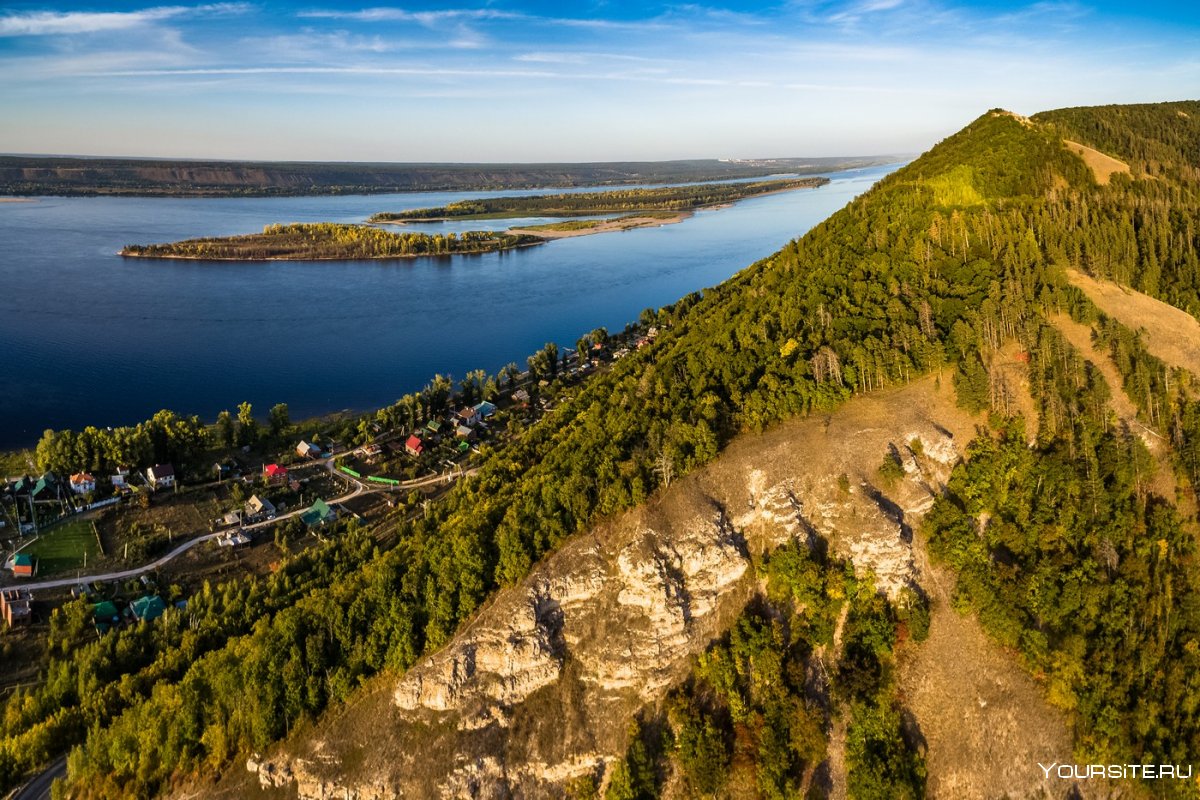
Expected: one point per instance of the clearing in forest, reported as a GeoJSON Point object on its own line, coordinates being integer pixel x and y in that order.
{"type": "Point", "coordinates": [1102, 166]}
{"type": "Point", "coordinates": [1170, 334]}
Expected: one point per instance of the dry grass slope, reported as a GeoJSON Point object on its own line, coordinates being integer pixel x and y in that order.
{"type": "Point", "coordinates": [1102, 166]}
{"type": "Point", "coordinates": [1170, 334]}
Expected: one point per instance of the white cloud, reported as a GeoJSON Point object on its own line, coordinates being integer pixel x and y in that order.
{"type": "Point", "coordinates": [62, 23]}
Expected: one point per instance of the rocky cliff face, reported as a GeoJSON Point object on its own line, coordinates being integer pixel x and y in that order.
{"type": "Point", "coordinates": [536, 691]}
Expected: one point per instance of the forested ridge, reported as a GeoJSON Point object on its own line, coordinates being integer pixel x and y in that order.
{"type": "Point", "coordinates": [944, 262]}
{"type": "Point", "coordinates": [664, 198]}
{"type": "Point", "coordinates": [65, 175]}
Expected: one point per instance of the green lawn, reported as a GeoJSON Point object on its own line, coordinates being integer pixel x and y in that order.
{"type": "Point", "coordinates": [63, 547]}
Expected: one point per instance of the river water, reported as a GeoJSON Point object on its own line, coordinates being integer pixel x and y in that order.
{"type": "Point", "coordinates": [90, 338]}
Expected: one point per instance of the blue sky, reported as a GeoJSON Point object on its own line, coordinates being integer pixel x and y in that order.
{"type": "Point", "coordinates": [542, 81]}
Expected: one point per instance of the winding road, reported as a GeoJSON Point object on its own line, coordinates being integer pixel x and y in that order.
{"type": "Point", "coordinates": [360, 488]}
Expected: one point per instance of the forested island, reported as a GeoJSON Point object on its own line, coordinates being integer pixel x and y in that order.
{"type": "Point", "coordinates": [145, 177]}
{"type": "Point", "coordinates": [328, 241]}
{"type": "Point", "coordinates": [665, 198]}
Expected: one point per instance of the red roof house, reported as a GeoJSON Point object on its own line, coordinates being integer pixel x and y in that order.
{"type": "Point", "coordinates": [414, 445]}
{"type": "Point", "coordinates": [275, 473]}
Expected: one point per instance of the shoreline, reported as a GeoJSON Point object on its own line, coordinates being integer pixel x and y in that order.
{"type": "Point", "coordinates": [18, 199]}
{"type": "Point", "coordinates": [173, 257]}
{"type": "Point", "coordinates": [604, 226]}
{"type": "Point", "coordinates": [814, 182]}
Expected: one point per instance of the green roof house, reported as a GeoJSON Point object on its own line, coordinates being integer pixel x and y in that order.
{"type": "Point", "coordinates": [318, 514]}
{"type": "Point", "coordinates": [46, 483]}
{"type": "Point", "coordinates": [147, 608]}
{"type": "Point", "coordinates": [22, 565]}
{"type": "Point", "coordinates": [105, 615]}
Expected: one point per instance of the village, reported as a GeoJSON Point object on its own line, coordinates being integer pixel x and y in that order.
{"type": "Point", "coordinates": [134, 543]}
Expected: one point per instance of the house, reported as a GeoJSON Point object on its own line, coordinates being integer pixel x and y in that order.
{"type": "Point", "coordinates": [16, 606]}
{"type": "Point", "coordinates": [485, 409]}
{"type": "Point", "coordinates": [372, 450]}
{"type": "Point", "coordinates": [147, 609]}
{"type": "Point", "coordinates": [105, 615]}
{"type": "Point", "coordinates": [233, 539]}
{"type": "Point", "coordinates": [434, 426]}
{"type": "Point", "coordinates": [161, 476]}
{"type": "Point", "coordinates": [463, 432]}
{"type": "Point", "coordinates": [23, 485]}
{"type": "Point", "coordinates": [307, 450]}
{"type": "Point", "coordinates": [259, 507]}
{"type": "Point", "coordinates": [318, 514]}
{"type": "Point", "coordinates": [520, 396]}
{"type": "Point", "coordinates": [414, 446]}
{"type": "Point", "coordinates": [275, 474]}
{"type": "Point", "coordinates": [46, 487]}
{"type": "Point", "coordinates": [232, 518]}
{"type": "Point", "coordinates": [82, 483]}
{"type": "Point", "coordinates": [120, 478]}
{"type": "Point", "coordinates": [22, 565]}
{"type": "Point", "coordinates": [467, 416]}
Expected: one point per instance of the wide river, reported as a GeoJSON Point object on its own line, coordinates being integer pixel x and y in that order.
{"type": "Point", "coordinates": [90, 338]}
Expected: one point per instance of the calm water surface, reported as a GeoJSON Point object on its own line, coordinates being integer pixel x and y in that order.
{"type": "Point", "coordinates": [94, 339]}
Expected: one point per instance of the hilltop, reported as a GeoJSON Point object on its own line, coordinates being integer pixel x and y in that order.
{"type": "Point", "coordinates": [772, 513]}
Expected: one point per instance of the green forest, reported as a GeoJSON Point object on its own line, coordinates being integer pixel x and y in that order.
{"type": "Point", "coordinates": [319, 241]}
{"type": "Point", "coordinates": [666, 198]}
{"type": "Point", "coordinates": [1083, 570]}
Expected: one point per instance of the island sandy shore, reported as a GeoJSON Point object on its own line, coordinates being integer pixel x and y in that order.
{"type": "Point", "coordinates": [603, 226]}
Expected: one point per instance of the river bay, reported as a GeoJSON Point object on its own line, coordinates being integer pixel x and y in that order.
{"type": "Point", "coordinates": [91, 338]}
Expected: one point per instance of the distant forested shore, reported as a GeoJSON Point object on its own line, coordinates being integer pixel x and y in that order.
{"type": "Point", "coordinates": [665, 198]}
{"type": "Point", "coordinates": [66, 176]}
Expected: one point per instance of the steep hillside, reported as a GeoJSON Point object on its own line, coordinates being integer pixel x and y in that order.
{"type": "Point", "coordinates": [953, 264]}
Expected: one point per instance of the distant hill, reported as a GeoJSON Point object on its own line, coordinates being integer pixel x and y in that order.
{"type": "Point", "coordinates": [53, 175]}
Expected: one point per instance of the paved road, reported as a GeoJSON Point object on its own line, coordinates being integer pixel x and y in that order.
{"type": "Point", "coordinates": [360, 487]}
{"type": "Point", "coordinates": [39, 787]}
{"type": "Point", "coordinates": [182, 548]}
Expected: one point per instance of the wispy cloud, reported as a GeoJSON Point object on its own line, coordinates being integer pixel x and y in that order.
{"type": "Point", "coordinates": [433, 18]}
{"type": "Point", "coordinates": [62, 23]}
{"type": "Point", "coordinates": [614, 79]}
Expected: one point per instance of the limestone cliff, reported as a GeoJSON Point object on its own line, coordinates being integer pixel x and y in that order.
{"type": "Point", "coordinates": [538, 688]}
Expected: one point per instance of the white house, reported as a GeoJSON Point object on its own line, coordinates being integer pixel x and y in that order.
{"type": "Point", "coordinates": [83, 482]}
{"type": "Point", "coordinates": [259, 507]}
{"type": "Point", "coordinates": [161, 476]}
{"type": "Point", "coordinates": [306, 450]}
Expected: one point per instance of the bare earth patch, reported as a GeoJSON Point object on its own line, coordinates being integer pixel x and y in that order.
{"type": "Point", "coordinates": [985, 721]}
{"type": "Point", "coordinates": [1101, 165]}
{"type": "Point", "coordinates": [1170, 333]}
